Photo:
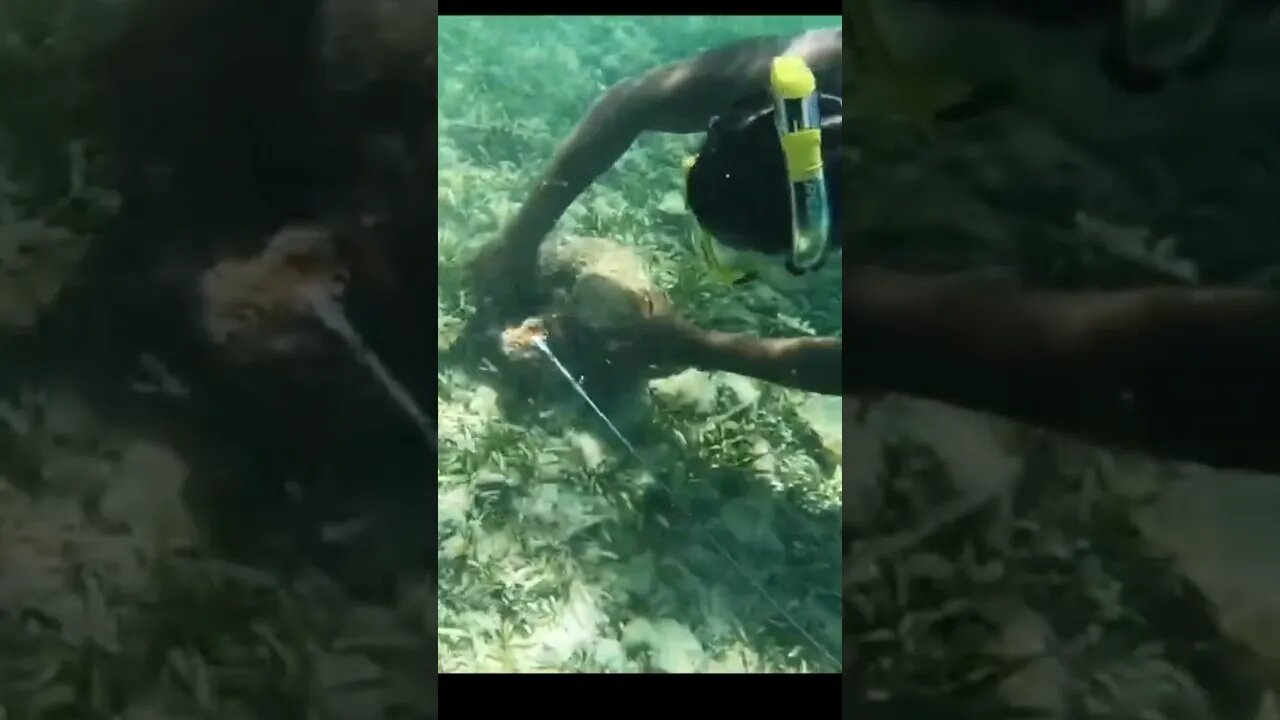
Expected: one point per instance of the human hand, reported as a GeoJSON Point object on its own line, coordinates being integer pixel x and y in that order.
{"type": "Point", "coordinates": [503, 280]}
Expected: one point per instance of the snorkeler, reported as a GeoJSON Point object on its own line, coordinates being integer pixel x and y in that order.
{"type": "Point", "coordinates": [1187, 373]}
{"type": "Point", "coordinates": [924, 61]}
{"type": "Point", "coordinates": [1184, 373]}
{"type": "Point", "coordinates": [683, 97]}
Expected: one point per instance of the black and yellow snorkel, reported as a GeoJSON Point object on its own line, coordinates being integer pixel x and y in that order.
{"type": "Point", "coordinates": [757, 191]}
{"type": "Point", "coordinates": [795, 104]}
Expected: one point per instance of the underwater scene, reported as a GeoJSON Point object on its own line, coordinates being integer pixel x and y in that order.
{"type": "Point", "coordinates": [218, 455]}
{"type": "Point", "coordinates": [215, 466]}
{"type": "Point", "coordinates": [1062, 496]}
{"type": "Point", "coordinates": [605, 505]}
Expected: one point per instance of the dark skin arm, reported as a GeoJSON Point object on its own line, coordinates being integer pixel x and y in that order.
{"type": "Point", "coordinates": [810, 363]}
{"type": "Point", "coordinates": [1185, 373]}
{"type": "Point", "coordinates": [678, 98]}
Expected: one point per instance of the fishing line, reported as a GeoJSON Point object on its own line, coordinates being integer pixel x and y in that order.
{"type": "Point", "coordinates": [331, 314]}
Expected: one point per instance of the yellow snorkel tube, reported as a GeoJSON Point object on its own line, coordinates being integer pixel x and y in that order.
{"type": "Point", "coordinates": [795, 97]}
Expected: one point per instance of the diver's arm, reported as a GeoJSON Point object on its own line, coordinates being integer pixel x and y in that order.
{"type": "Point", "coordinates": [681, 97]}
{"type": "Point", "coordinates": [811, 364]}
{"type": "Point", "coordinates": [1190, 374]}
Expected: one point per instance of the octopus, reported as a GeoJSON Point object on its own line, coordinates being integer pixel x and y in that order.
{"type": "Point", "coordinates": [256, 307]}
{"type": "Point", "coordinates": [522, 340]}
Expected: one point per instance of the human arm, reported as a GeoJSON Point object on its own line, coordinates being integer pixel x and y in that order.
{"type": "Point", "coordinates": [806, 363]}
{"type": "Point", "coordinates": [1186, 373]}
{"type": "Point", "coordinates": [679, 97]}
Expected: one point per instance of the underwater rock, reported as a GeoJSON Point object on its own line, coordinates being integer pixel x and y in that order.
{"type": "Point", "coordinates": [36, 262]}
{"type": "Point", "coordinates": [146, 495]}
{"type": "Point", "coordinates": [609, 283]}
{"type": "Point", "coordinates": [746, 390]}
{"type": "Point", "coordinates": [599, 291]}
{"type": "Point", "coordinates": [1221, 529]}
{"type": "Point", "coordinates": [672, 647]}
{"type": "Point", "coordinates": [970, 445]}
{"type": "Point", "coordinates": [690, 388]}
{"type": "Point", "coordinates": [610, 654]}
{"type": "Point", "coordinates": [825, 416]}
{"type": "Point", "coordinates": [1044, 682]}
{"type": "Point", "coordinates": [589, 449]}
{"type": "Point", "coordinates": [575, 628]}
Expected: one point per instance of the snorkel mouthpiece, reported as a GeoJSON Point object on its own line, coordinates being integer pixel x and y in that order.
{"type": "Point", "coordinates": [795, 99]}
